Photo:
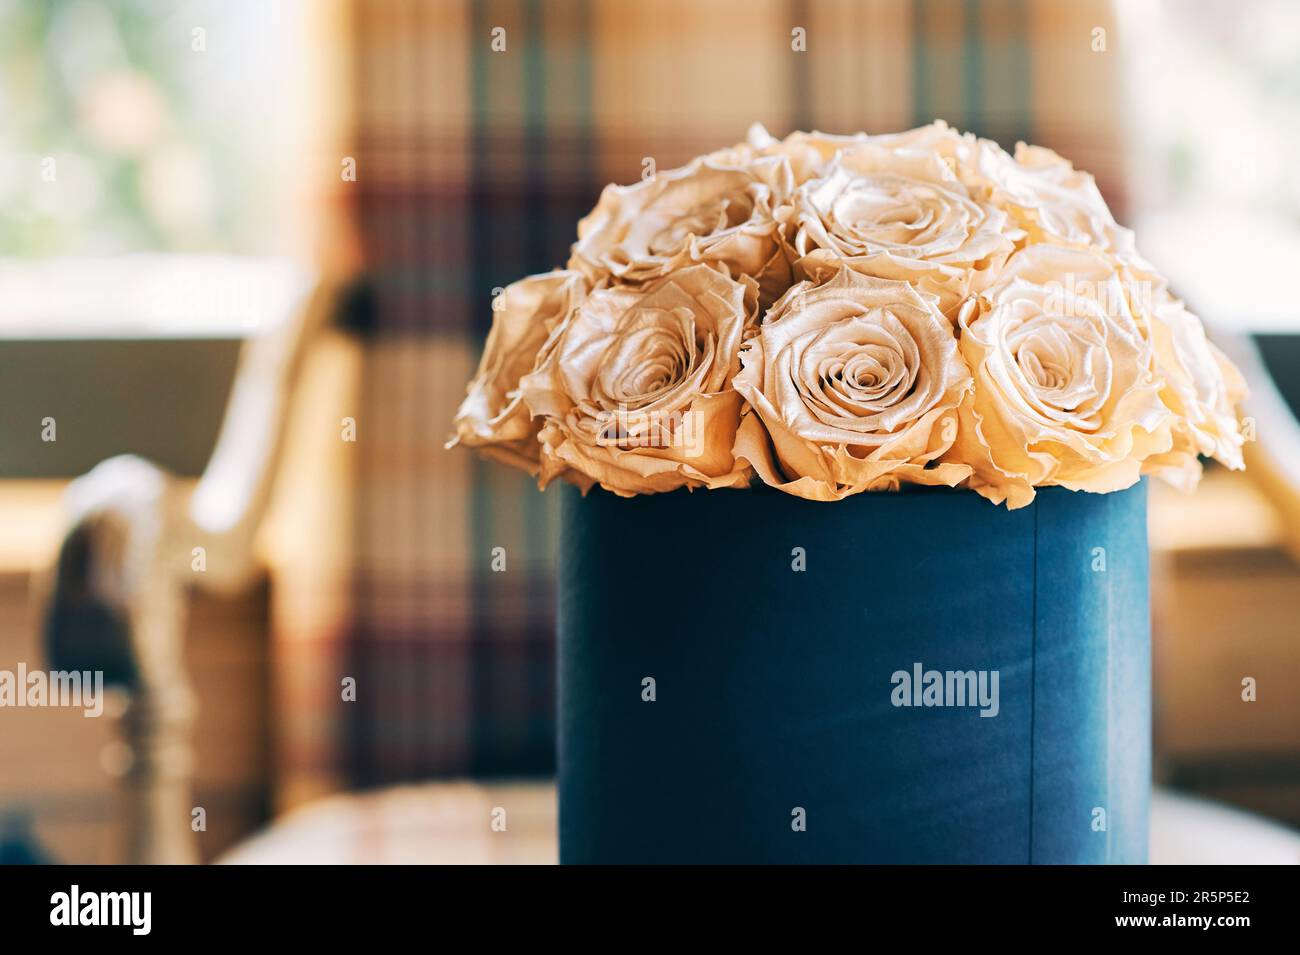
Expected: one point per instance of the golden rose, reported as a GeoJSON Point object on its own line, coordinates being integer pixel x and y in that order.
{"type": "Point", "coordinates": [1201, 387]}
{"type": "Point", "coordinates": [636, 391]}
{"type": "Point", "coordinates": [853, 386]}
{"type": "Point", "coordinates": [525, 317]}
{"type": "Point", "coordinates": [1051, 200]}
{"type": "Point", "coordinates": [810, 154]}
{"type": "Point", "coordinates": [716, 210]}
{"type": "Point", "coordinates": [959, 150]}
{"type": "Point", "coordinates": [807, 153]}
{"type": "Point", "coordinates": [900, 214]}
{"type": "Point", "coordinates": [1065, 391]}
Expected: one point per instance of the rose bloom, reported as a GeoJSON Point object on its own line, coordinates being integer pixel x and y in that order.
{"type": "Point", "coordinates": [810, 154]}
{"type": "Point", "coordinates": [636, 391]}
{"type": "Point", "coordinates": [526, 317]}
{"type": "Point", "coordinates": [807, 153]}
{"type": "Point", "coordinates": [1065, 389]}
{"type": "Point", "coordinates": [899, 214]}
{"type": "Point", "coordinates": [853, 385]}
{"type": "Point", "coordinates": [716, 210]}
{"type": "Point", "coordinates": [938, 137]}
{"type": "Point", "coordinates": [1051, 200]}
{"type": "Point", "coordinates": [1047, 198]}
{"type": "Point", "coordinates": [1201, 387]}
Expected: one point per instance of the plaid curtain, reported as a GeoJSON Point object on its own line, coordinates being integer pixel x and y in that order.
{"type": "Point", "coordinates": [474, 165]}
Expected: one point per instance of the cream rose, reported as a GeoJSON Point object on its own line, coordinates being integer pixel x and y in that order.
{"type": "Point", "coordinates": [1065, 391]}
{"type": "Point", "coordinates": [810, 154]}
{"type": "Point", "coordinates": [899, 214]}
{"type": "Point", "coordinates": [937, 137]}
{"type": "Point", "coordinates": [636, 390]}
{"type": "Point", "coordinates": [1200, 386]}
{"type": "Point", "coordinates": [1051, 200]}
{"type": "Point", "coordinates": [807, 153]}
{"type": "Point", "coordinates": [853, 386]}
{"type": "Point", "coordinates": [525, 317]}
{"type": "Point", "coordinates": [716, 210]}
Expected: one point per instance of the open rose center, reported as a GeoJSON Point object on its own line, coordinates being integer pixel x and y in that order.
{"type": "Point", "coordinates": [655, 364]}
{"type": "Point", "coordinates": [853, 372]}
{"type": "Point", "coordinates": [863, 374]}
{"type": "Point", "coordinates": [1064, 374]}
{"type": "Point", "coordinates": [707, 218]}
{"type": "Point", "coordinates": [895, 212]}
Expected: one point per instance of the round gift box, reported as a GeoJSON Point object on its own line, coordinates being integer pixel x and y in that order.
{"type": "Point", "coordinates": [915, 677]}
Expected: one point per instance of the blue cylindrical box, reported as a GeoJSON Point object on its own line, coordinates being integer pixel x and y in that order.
{"type": "Point", "coordinates": [917, 677]}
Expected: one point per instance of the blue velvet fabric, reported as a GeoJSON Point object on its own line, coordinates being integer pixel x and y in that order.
{"type": "Point", "coordinates": [777, 732]}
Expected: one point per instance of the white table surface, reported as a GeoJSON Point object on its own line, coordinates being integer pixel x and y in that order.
{"type": "Point", "coordinates": [451, 823]}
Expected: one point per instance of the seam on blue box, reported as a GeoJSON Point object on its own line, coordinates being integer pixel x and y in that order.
{"type": "Point", "coordinates": [1033, 679]}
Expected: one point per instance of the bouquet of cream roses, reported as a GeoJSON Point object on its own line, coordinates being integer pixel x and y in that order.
{"type": "Point", "coordinates": [836, 314]}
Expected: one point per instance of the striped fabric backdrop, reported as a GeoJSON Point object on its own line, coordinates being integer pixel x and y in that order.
{"type": "Point", "coordinates": [473, 168]}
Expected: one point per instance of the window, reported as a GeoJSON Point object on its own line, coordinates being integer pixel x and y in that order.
{"type": "Point", "coordinates": [1215, 133]}
{"type": "Point", "coordinates": [135, 125]}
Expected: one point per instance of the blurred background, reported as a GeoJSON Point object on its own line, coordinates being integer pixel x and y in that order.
{"type": "Point", "coordinates": [256, 244]}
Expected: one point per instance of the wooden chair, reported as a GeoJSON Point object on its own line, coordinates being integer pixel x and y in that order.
{"type": "Point", "coordinates": [138, 538]}
{"type": "Point", "coordinates": [1273, 451]}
